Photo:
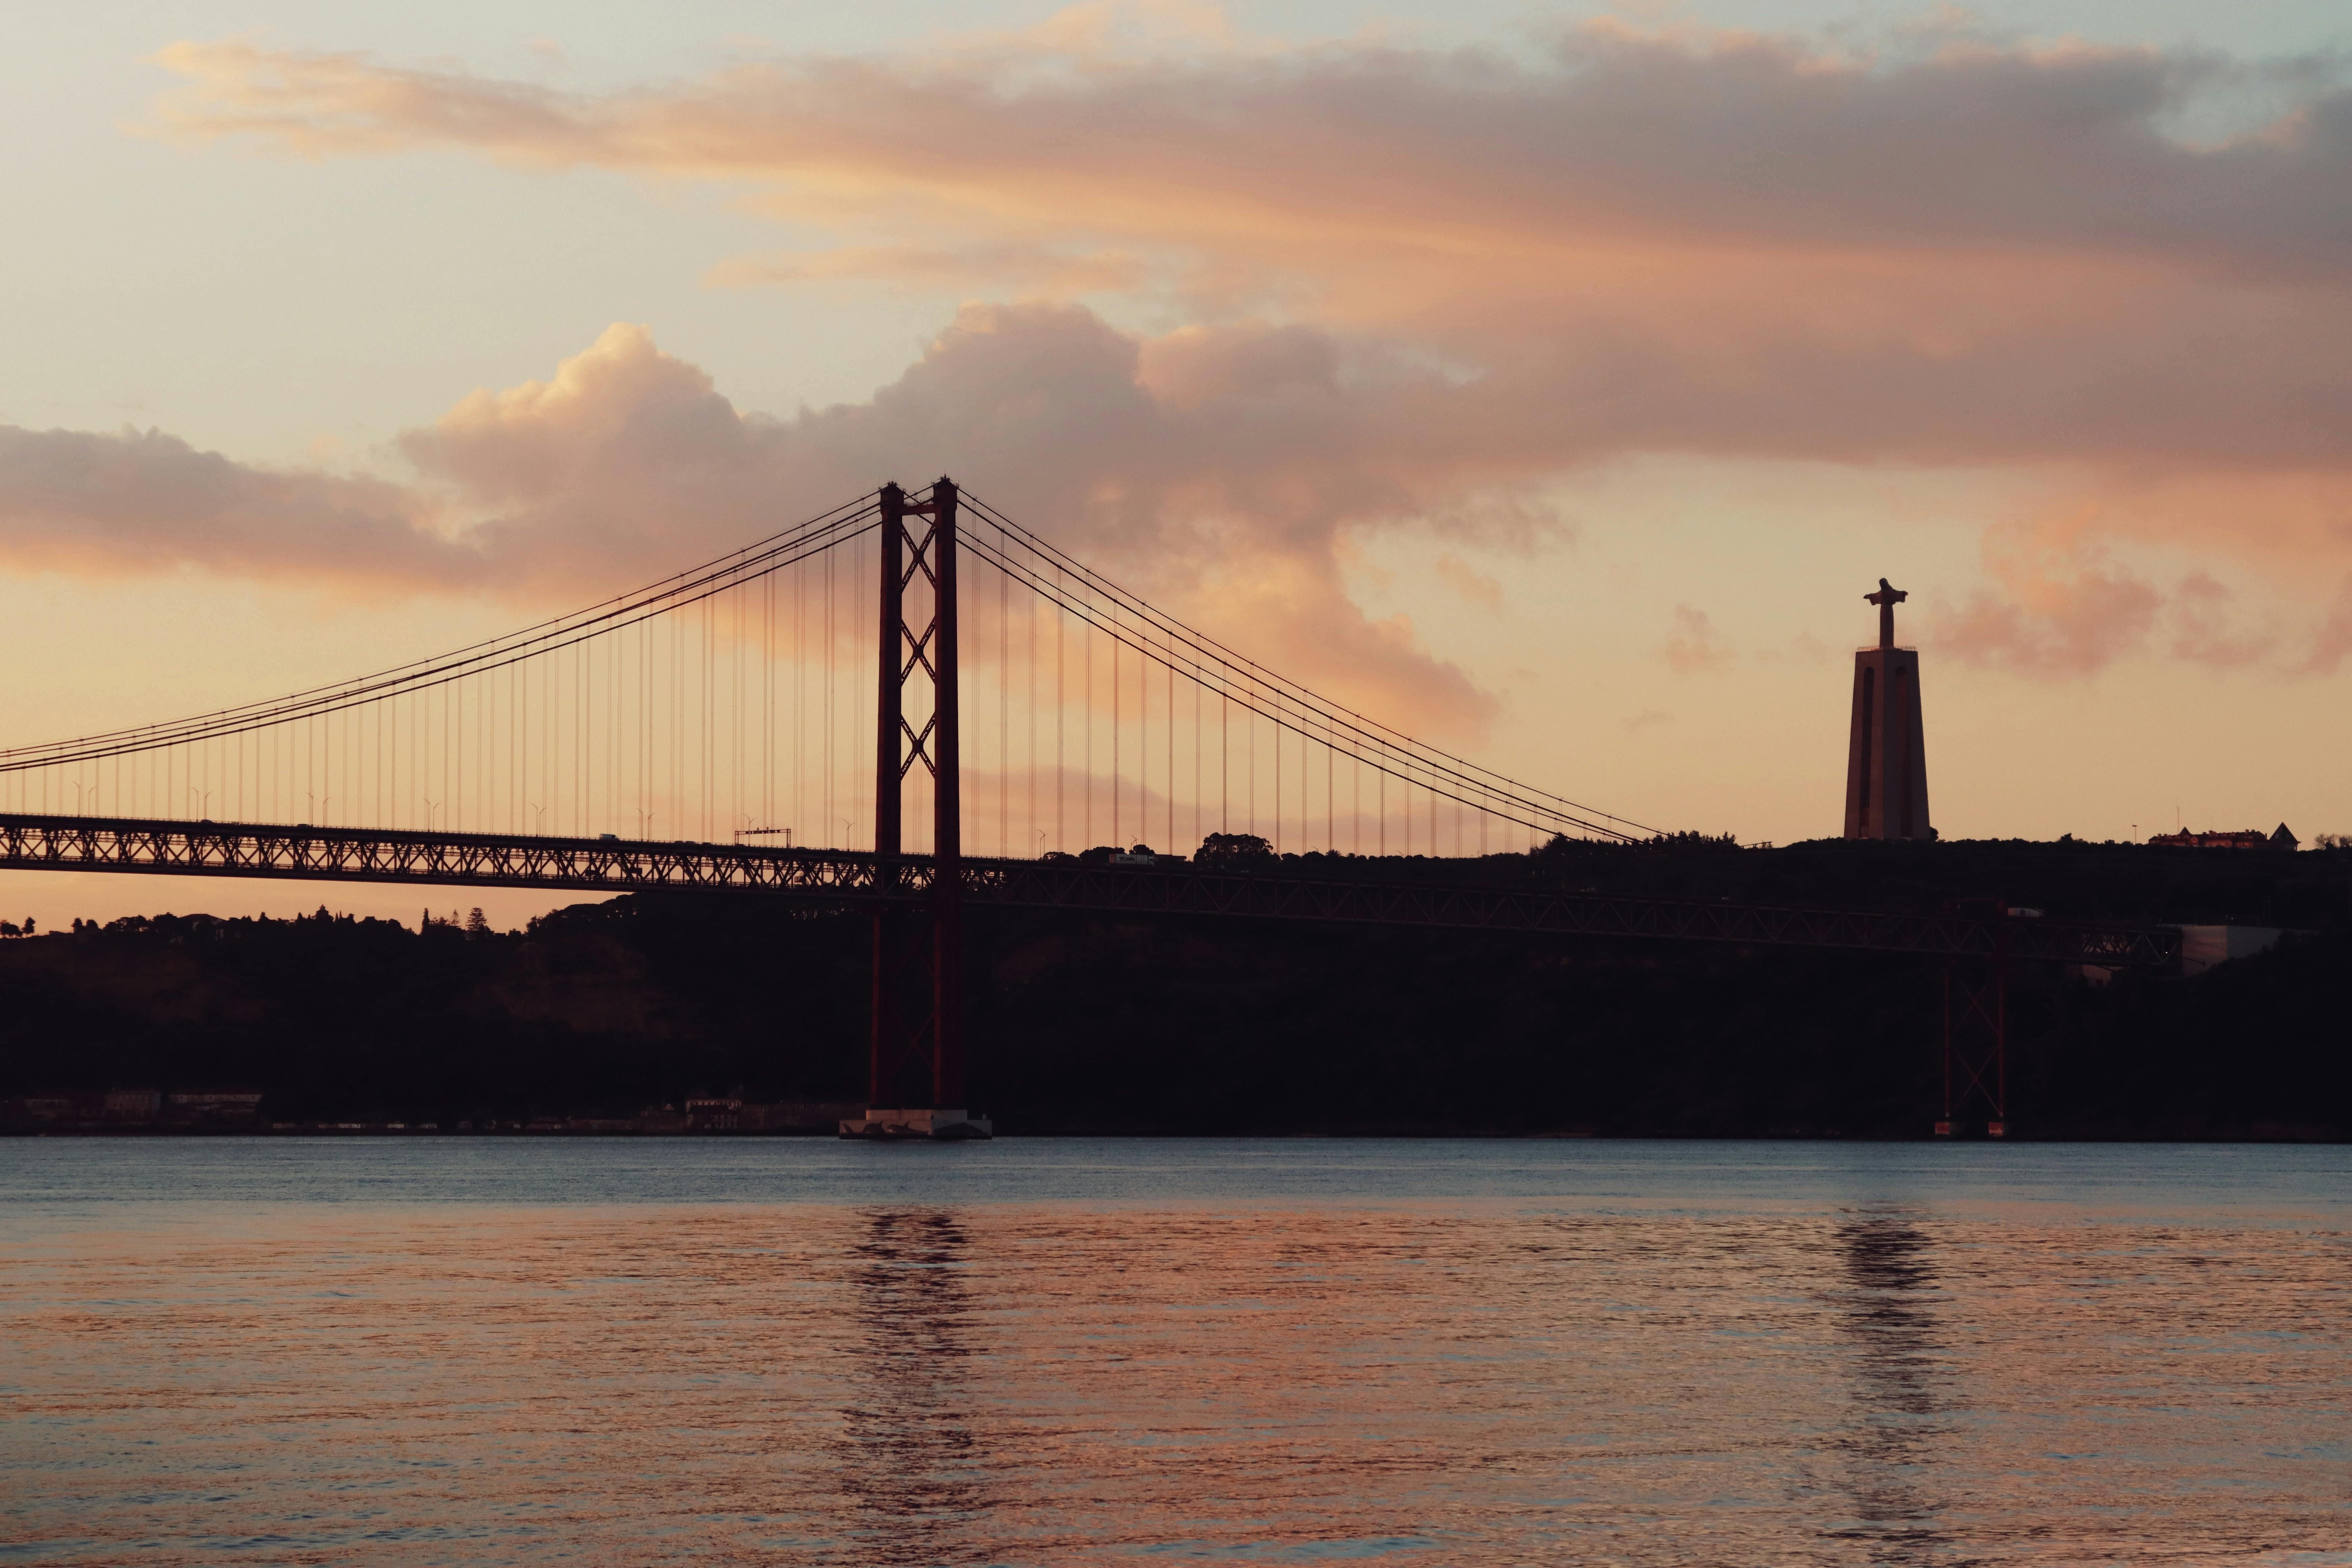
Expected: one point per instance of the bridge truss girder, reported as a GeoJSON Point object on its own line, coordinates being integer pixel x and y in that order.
{"type": "Point", "coordinates": [449, 859]}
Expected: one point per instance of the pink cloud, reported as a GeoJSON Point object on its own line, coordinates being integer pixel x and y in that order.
{"type": "Point", "coordinates": [2333, 644]}
{"type": "Point", "coordinates": [1694, 648]}
{"type": "Point", "coordinates": [1683, 241]}
{"type": "Point", "coordinates": [2067, 625]}
{"type": "Point", "coordinates": [1462, 278]}
{"type": "Point", "coordinates": [1231, 504]}
{"type": "Point", "coordinates": [2201, 632]}
{"type": "Point", "coordinates": [1474, 586]}
{"type": "Point", "coordinates": [1678, 135]}
{"type": "Point", "coordinates": [1032, 270]}
{"type": "Point", "coordinates": [2066, 607]}
{"type": "Point", "coordinates": [147, 501]}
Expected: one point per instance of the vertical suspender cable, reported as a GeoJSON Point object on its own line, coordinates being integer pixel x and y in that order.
{"type": "Point", "coordinates": [1115, 779]}
{"type": "Point", "coordinates": [1087, 646]}
{"type": "Point", "coordinates": [1061, 705]}
{"type": "Point", "coordinates": [824, 779]}
{"type": "Point", "coordinates": [1029, 837]}
{"type": "Point", "coordinates": [1005, 716]}
{"type": "Point", "coordinates": [1224, 763]}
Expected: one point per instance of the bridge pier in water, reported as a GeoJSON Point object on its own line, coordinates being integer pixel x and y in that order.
{"type": "Point", "coordinates": [915, 1085]}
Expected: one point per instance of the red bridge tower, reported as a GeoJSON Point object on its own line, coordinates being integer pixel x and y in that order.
{"type": "Point", "coordinates": [915, 1085]}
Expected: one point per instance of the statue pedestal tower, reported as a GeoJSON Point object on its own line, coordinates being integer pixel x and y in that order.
{"type": "Point", "coordinates": [1886, 754]}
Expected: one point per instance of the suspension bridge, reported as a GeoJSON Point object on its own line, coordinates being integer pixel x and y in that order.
{"type": "Point", "coordinates": [861, 695]}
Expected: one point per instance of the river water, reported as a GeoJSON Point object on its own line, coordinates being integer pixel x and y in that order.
{"type": "Point", "coordinates": [526, 1351]}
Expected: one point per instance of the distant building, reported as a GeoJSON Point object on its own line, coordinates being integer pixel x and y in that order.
{"type": "Point", "coordinates": [1886, 745]}
{"type": "Point", "coordinates": [87, 1107]}
{"type": "Point", "coordinates": [2245, 838]}
{"type": "Point", "coordinates": [60, 1106]}
{"type": "Point", "coordinates": [132, 1104]}
{"type": "Point", "coordinates": [216, 1106]}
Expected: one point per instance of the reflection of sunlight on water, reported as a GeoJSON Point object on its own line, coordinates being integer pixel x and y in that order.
{"type": "Point", "coordinates": [1424, 1382]}
{"type": "Point", "coordinates": [1884, 1310]}
{"type": "Point", "coordinates": [906, 1453]}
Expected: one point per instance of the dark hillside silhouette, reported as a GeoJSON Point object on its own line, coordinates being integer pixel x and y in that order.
{"type": "Point", "coordinates": [1189, 1025]}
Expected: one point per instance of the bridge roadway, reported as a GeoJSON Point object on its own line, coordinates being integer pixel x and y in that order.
{"type": "Point", "coordinates": [846, 877]}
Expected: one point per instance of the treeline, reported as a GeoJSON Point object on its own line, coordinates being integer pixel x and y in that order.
{"type": "Point", "coordinates": [1082, 1023]}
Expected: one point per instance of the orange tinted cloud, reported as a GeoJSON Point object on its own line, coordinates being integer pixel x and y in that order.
{"type": "Point", "coordinates": [1677, 138]}
{"type": "Point", "coordinates": [2066, 605]}
{"type": "Point", "coordinates": [1694, 648]}
{"type": "Point", "coordinates": [1030, 270]}
{"type": "Point", "coordinates": [1698, 242]}
{"type": "Point", "coordinates": [146, 501]}
{"type": "Point", "coordinates": [1231, 503]}
{"type": "Point", "coordinates": [1420, 284]}
{"type": "Point", "coordinates": [2082, 582]}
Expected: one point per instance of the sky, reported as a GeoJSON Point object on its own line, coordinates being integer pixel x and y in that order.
{"type": "Point", "coordinates": [1555, 379]}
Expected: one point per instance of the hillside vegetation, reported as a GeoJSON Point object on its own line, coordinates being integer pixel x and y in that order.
{"type": "Point", "coordinates": [1082, 1023]}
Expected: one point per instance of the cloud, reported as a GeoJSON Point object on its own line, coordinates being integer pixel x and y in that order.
{"type": "Point", "coordinates": [2202, 632]}
{"type": "Point", "coordinates": [2064, 605]}
{"type": "Point", "coordinates": [1949, 251]}
{"type": "Point", "coordinates": [2073, 625]}
{"type": "Point", "coordinates": [1032, 270]}
{"type": "Point", "coordinates": [1473, 585]}
{"type": "Point", "coordinates": [1694, 648]}
{"type": "Point", "coordinates": [626, 465]}
{"type": "Point", "coordinates": [1671, 139]}
{"type": "Point", "coordinates": [1410, 286]}
{"type": "Point", "coordinates": [142, 501]}
{"type": "Point", "coordinates": [2333, 643]}
{"type": "Point", "coordinates": [1230, 500]}
{"type": "Point", "coordinates": [2066, 608]}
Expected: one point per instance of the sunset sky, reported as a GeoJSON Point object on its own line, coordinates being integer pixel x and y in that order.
{"type": "Point", "coordinates": [1554, 379]}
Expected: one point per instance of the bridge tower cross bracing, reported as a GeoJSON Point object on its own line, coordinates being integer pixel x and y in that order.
{"type": "Point", "coordinates": [917, 1047]}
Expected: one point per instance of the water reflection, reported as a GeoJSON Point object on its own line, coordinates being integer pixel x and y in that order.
{"type": "Point", "coordinates": [1090, 1385]}
{"type": "Point", "coordinates": [1886, 1318]}
{"type": "Point", "coordinates": [909, 1463]}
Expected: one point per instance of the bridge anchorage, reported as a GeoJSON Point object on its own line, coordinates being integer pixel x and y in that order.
{"type": "Point", "coordinates": [580, 752]}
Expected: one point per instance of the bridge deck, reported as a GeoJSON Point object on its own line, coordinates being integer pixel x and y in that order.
{"type": "Point", "coordinates": [845, 876]}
